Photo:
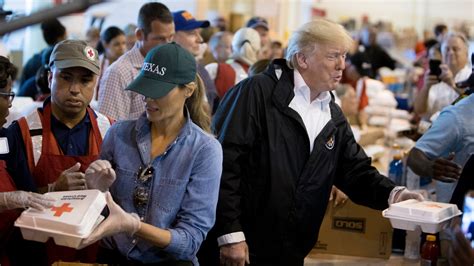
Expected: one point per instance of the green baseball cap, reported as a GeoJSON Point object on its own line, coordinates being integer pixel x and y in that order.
{"type": "Point", "coordinates": [75, 53]}
{"type": "Point", "coordinates": [166, 66]}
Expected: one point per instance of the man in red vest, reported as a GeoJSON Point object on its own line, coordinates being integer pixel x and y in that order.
{"type": "Point", "coordinates": [61, 139]}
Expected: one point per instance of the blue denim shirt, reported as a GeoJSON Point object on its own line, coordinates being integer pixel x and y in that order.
{"type": "Point", "coordinates": [183, 192]}
{"type": "Point", "coordinates": [452, 131]}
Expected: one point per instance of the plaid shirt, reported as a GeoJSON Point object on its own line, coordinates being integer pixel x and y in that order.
{"type": "Point", "coordinates": [114, 101]}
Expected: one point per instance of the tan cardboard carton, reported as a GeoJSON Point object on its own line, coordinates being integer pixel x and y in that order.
{"type": "Point", "coordinates": [355, 230]}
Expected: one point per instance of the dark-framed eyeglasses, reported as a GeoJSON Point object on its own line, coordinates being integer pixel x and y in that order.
{"type": "Point", "coordinates": [140, 195]}
{"type": "Point", "coordinates": [8, 96]}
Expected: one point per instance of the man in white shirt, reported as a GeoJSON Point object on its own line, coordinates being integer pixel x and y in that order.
{"type": "Point", "coordinates": [285, 144]}
{"type": "Point", "coordinates": [439, 92]}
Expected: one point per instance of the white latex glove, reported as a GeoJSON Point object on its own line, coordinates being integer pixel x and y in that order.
{"type": "Point", "coordinates": [70, 179]}
{"type": "Point", "coordinates": [23, 199]}
{"type": "Point", "coordinates": [100, 175]}
{"type": "Point", "coordinates": [118, 221]}
{"type": "Point", "coordinates": [405, 194]}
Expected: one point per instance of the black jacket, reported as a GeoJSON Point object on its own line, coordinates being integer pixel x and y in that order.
{"type": "Point", "coordinates": [272, 188]}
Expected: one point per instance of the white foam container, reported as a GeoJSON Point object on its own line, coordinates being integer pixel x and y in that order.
{"type": "Point", "coordinates": [67, 228]}
{"type": "Point", "coordinates": [431, 216]}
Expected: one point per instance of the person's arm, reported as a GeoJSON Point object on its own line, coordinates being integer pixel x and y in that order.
{"type": "Point", "coordinates": [236, 125]}
{"type": "Point", "coordinates": [420, 104]}
{"type": "Point", "coordinates": [114, 101]}
{"type": "Point", "coordinates": [22, 199]}
{"type": "Point", "coordinates": [447, 77]}
{"type": "Point", "coordinates": [197, 212]}
{"type": "Point", "coordinates": [357, 178]}
{"type": "Point", "coordinates": [432, 156]}
{"type": "Point", "coordinates": [442, 169]}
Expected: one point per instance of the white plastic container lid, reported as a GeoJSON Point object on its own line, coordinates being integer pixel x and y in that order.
{"type": "Point", "coordinates": [72, 218]}
{"type": "Point", "coordinates": [428, 211]}
{"type": "Point", "coordinates": [430, 216]}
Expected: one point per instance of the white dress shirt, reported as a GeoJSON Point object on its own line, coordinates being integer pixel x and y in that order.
{"type": "Point", "coordinates": [315, 114]}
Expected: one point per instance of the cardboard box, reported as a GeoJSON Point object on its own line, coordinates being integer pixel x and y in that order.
{"type": "Point", "coordinates": [355, 230]}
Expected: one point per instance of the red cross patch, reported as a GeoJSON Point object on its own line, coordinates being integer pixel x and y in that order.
{"type": "Point", "coordinates": [60, 210]}
{"type": "Point", "coordinates": [90, 53]}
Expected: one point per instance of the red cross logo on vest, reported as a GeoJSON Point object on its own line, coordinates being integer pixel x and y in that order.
{"type": "Point", "coordinates": [63, 208]}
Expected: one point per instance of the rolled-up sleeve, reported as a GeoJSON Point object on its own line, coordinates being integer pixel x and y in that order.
{"type": "Point", "coordinates": [198, 210]}
{"type": "Point", "coordinates": [442, 129]}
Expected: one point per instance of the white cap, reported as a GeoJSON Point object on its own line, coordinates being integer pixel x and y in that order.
{"type": "Point", "coordinates": [245, 45]}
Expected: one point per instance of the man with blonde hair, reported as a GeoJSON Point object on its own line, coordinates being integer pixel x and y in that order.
{"type": "Point", "coordinates": [285, 144]}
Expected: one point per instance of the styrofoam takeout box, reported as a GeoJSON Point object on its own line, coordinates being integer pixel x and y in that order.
{"type": "Point", "coordinates": [71, 219]}
{"type": "Point", "coordinates": [429, 215]}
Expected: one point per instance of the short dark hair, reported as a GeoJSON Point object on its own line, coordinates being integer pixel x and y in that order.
{"type": "Point", "coordinates": [7, 69]}
{"type": "Point", "coordinates": [153, 11]}
{"type": "Point", "coordinates": [53, 31]}
{"type": "Point", "coordinates": [440, 28]}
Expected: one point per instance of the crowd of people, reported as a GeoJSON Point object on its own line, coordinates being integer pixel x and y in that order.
{"type": "Point", "coordinates": [198, 147]}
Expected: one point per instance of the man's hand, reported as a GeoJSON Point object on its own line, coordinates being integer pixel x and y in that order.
{"type": "Point", "coordinates": [338, 196]}
{"type": "Point", "coordinates": [100, 175]}
{"type": "Point", "coordinates": [236, 254]}
{"type": "Point", "coordinates": [71, 179]}
{"type": "Point", "coordinates": [446, 75]}
{"type": "Point", "coordinates": [445, 170]}
{"type": "Point", "coordinates": [23, 199]}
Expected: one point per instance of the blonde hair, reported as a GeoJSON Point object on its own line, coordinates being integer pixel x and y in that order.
{"type": "Point", "coordinates": [199, 110]}
{"type": "Point", "coordinates": [319, 31]}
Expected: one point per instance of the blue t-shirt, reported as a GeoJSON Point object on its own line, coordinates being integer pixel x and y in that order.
{"type": "Point", "coordinates": [453, 131]}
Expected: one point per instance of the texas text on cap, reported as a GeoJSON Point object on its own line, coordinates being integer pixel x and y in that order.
{"type": "Point", "coordinates": [166, 66]}
{"type": "Point", "coordinates": [75, 53]}
{"type": "Point", "coordinates": [258, 22]}
{"type": "Point", "coordinates": [183, 20]}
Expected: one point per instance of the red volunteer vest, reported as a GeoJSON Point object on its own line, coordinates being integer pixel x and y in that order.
{"type": "Point", "coordinates": [51, 164]}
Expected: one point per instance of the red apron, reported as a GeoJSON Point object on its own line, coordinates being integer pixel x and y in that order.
{"type": "Point", "coordinates": [8, 216]}
{"type": "Point", "coordinates": [51, 164]}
